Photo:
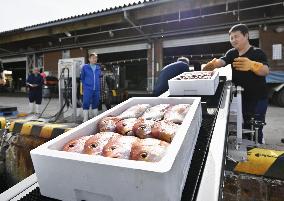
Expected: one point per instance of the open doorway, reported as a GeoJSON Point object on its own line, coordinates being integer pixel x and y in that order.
{"type": "Point", "coordinates": [16, 81]}
{"type": "Point", "coordinates": [133, 68]}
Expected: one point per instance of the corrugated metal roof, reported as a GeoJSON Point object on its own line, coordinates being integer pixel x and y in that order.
{"type": "Point", "coordinates": [105, 11]}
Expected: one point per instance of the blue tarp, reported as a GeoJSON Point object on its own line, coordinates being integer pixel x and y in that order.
{"type": "Point", "coordinates": [275, 77]}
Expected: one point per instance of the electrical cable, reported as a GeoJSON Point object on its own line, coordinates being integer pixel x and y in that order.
{"type": "Point", "coordinates": [66, 97]}
{"type": "Point", "coordinates": [49, 99]}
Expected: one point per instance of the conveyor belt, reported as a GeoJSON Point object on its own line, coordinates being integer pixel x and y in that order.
{"type": "Point", "coordinates": [203, 141]}
{"type": "Point", "coordinates": [36, 196]}
{"type": "Point", "coordinates": [210, 106]}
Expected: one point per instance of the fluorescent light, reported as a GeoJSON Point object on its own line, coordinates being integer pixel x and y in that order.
{"type": "Point", "coordinates": [68, 34]}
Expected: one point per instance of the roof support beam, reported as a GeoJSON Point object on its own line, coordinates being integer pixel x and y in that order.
{"type": "Point", "coordinates": [125, 15]}
{"type": "Point", "coordinates": [55, 30]}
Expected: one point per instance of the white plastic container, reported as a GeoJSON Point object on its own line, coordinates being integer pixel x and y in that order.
{"type": "Point", "coordinates": [194, 86]}
{"type": "Point", "coordinates": [72, 176]}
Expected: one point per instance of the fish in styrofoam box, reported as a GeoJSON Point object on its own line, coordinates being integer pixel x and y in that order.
{"type": "Point", "coordinates": [108, 124]}
{"type": "Point", "coordinates": [95, 144]}
{"type": "Point", "coordinates": [164, 130]}
{"type": "Point", "coordinates": [125, 126]}
{"type": "Point", "coordinates": [76, 145]}
{"type": "Point", "coordinates": [176, 113]}
{"type": "Point", "coordinates": [143, 128]}
{"type": "Point", "coordinates": [73, 176]}
{"type": "Point", "coordinates": [150, 149]}
{"type": "Point", "coordinates": [134, 111]}
{"type": "Point", "coordinates": [195, 75]}
{"type": "Point", "coordinates": [156, 112]}
{"type": "Point", "coordinates": [119, 146]}
{"type": "Point", "coordinates": [194, 83]}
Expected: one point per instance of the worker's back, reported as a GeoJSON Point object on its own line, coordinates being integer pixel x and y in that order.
{"type": "Point", "coordinates": [167, 73]}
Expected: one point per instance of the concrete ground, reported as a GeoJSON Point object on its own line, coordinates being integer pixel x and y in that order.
{"type": "Point", "coordinates": [273, 131]}
{"type": "Point", "coordinates": [51, 108]}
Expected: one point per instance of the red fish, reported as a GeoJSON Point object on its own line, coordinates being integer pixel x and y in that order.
{"type": "Point", "coordinates": [107, 124]}
{"type": "Point", "coordinates": [134, 111]}
{"type": "Point", "coordinates": [119, 147]}
{"type": "Point", "coordinates": [164, 130]}
{"type": "Point", "coordinates": [177, 113]}
{"type": "Point", "coordinates": [76, 145]}
{"type": "Point", "coordinates": [125, 126]}
{"type": "Point", "coordinates": [195, 75]}
{"type": "Point", "coordinates": [143, 128]}
{"type": "Point", "coordinates": [95, 144]}
{"type": "Point", "coordinates": [150, 150]}
{"type": "Point", "coordinates": [156, 112]}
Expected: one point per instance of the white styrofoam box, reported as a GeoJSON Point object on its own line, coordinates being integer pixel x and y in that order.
{"type": "Point", "coordinates": [73, 176]}
{"type": "Point", "coordinates": [194, 86]}
{"type": "Point", "coordinates": [225, 71]}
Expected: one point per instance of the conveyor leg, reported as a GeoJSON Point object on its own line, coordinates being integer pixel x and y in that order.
{"type": "Point", "coordinates": [239, 115]}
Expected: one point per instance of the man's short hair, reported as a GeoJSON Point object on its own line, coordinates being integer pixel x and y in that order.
{"type": "Point", "coordinates": [93, 53]}
{"type": "Point", "coordinates": [183, 59]}
{"type": "Point", "coordinates": [240, 27]}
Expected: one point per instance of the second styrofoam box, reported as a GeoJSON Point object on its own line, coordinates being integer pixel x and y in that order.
{"type": "Point", "coordinates": [73, 176]}
{"type": "Point", "coordinates": [194, 86]}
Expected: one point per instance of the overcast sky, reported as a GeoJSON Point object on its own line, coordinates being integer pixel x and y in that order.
{"type": "Point", "coordinates": [21, 13]}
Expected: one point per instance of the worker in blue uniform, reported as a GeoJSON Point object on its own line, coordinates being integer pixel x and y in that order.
{"type": "Point", "coordinates": [90, 77]}
{"type": "Point", "coordinates": [169, 72]}
{"type": "Point", "coordinates": [35, 82]}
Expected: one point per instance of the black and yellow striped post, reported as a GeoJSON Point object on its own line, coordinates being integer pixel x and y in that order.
{"type": "Point", "coordinates": [37, 129]}
{"type": "Point", "coordinates": [27, 135]}
{"type": "Point", "coordinates": [2, 122]}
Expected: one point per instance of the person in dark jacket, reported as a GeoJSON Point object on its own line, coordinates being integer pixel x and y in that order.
{"type": "Point", "coordinates": [35, 82]}
{"type": "Point", "coordinates": [110, 85]}
{"type": "Point", "coordinates": [90, 77]}
{"type": "Point", "coordinates": [2, 78]}
{"type": "Point", "coordinates": [249, 67]}
{"type": "Point", "coordinates": [169, 72]}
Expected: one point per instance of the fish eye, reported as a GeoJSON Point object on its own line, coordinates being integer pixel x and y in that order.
{"type": "Point", "coordinates": [93, 145]}
{"type": "Point", "coordinates": [143, 126]}
{"type": "Point", "coordinates": [143, 154]}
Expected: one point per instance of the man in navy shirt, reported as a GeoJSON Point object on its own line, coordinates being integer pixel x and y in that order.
{"type": "Point", "coordinates": [169, 72]}
{"type": "Point", "coordinates": [35, 82]}
{"type": "Point", "coordinates": [249, 68]}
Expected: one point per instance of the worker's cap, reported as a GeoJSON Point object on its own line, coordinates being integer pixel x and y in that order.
{"type": "Point", "coordinates": [184, 59]}
{"type": "Point", "coordinates": [93, 53]}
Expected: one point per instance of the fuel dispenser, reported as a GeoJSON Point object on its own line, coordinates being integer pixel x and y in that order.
{"type": "Point", "coordinates": [69, 76]}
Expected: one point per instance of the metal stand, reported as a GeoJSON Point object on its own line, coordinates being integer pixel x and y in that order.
{"type": "Point", "coordinates": [255, 126]}
{"type": "Point", "coordinates": [68, 71]}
